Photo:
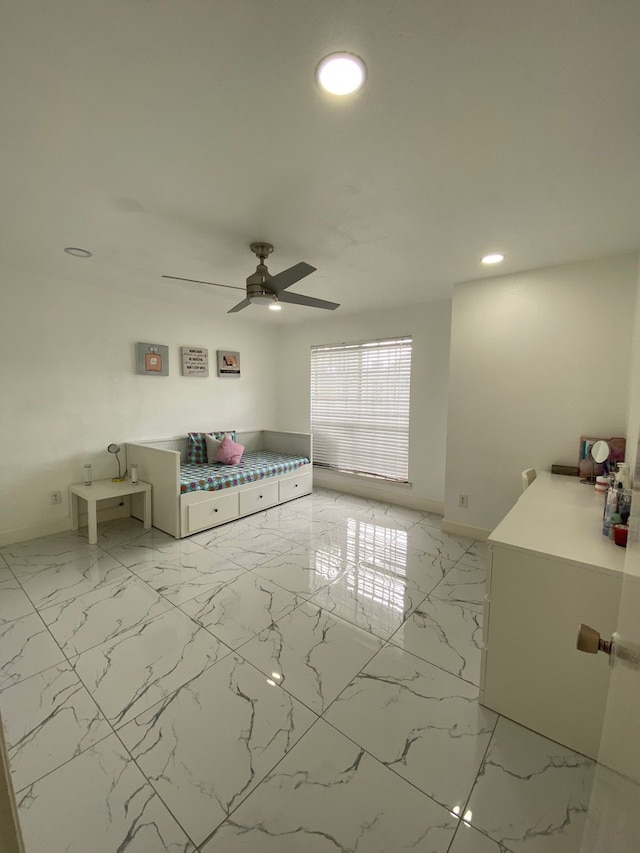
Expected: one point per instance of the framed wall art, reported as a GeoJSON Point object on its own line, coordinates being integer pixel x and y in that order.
{"type": "Point", "coordinates": [195, 361]}
{"type": "Point", "coordinates": [152, 359]}
{"type": "Point", "coordinates": [228, 363]}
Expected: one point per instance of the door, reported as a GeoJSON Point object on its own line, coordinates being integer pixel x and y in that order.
{"type": "Point", "coordinates": [613, 819]}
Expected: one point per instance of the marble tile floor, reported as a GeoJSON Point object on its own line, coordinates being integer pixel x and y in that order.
{"type": "Point", "coordinates": [305, 679]}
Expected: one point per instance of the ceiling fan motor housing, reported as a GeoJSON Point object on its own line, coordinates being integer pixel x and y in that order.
{"type": "Point", "coordinates": [257, 290]}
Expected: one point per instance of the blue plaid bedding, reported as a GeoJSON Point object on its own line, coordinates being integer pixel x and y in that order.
{"type": "Point", "coordinates": [255, 465]}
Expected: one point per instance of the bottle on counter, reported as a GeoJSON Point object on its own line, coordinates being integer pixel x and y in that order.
{"type": "Point", "coordinates": [610, 509]}
{"type": "Point", "coordinates": [623, 475]}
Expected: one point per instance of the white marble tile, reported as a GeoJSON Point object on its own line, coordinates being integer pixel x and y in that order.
{"type": "Point", "coordinates": [531, 794]}
{"type": "Point", "coordinates": [48, 718]}
{"type": "Point", "coordinates": [422, 537]}
{"type": "Point", "coordinates": [151, 548]}
{"type": "Point", "coordinates": [13, 600]}
{"type": "Point", "coordinates": [362, 543]}
{"type": "Point", "coordinates": [206, 747]}
{"type": "Point", "coordinates": [101, 615]}
{"type": "Point", "coordinates": [463, 584]}
{"type": "Point", "coordinates": [477, 555]}
{"type": "Point", "coordinates": [101, 802]}
{"type": "Point", "coordinates": [446, 634]}
{"type": "Point", "coordinates": [252, 547]}
{"type": "Point", "coordinates": [51, 585]}
{"type": "Point", "coordinates": [117, 531]}
{"type": "Point", "coordinates": [27, 647]}
{"type": "Point", "coordinates": [329, 795]}
{"type": "Point", "coordinates": [330, 511]}
{"type": "Point", "coordinates": [303, 571]}
{"type": "Point", "coordinates": [291, 525]}
{"type": "Point", "coordinates": [394, 516]}
{"type": "Point", "coordinates": [230, 532]}
{"type": "Point", "coordinates": [239, 610]}
{"type": "Point", "coordinates": [425, 570]}
{"type": "Point", "coordinates": [313, 654]}
{"type": "Point", "coordinates": [424, 723]}
{"type": "Point", "coordinates": [372, 599]}
{"type": "Point", "coordinates": [47, 551]}
{"type": "Point", "coordinates": [141, 666]}
{"type": "Point", "coordinates": [182, 579]}
{"type": "Point", "coordinates": [469, 840]}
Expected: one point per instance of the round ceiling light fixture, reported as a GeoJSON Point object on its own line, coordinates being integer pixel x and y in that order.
{"type": "Point", "coordinates": [275, 307]}
{"type": "Point", "coordinates": [341, 74]}
{"type": "Point", "coordinates": [496, 258]}
{"type": "Point", "coordinates": [78, 253]}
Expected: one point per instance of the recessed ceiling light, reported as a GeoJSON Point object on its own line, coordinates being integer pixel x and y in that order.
{"type": "Point", "coordinates": [275, 307]}
{"type": "Point", "coordinates": [493, 259]}
{"type": "Point", "coordinates": [78, 253]}
{"type": "Point", "coordinates": [341, 73]}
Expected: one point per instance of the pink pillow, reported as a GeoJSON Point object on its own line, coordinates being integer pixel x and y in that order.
{"type": "Point", "coordinates": [230, 452]}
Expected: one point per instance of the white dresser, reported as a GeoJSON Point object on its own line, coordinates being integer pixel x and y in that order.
{"type": "Point", "coordinates": [550, 568]}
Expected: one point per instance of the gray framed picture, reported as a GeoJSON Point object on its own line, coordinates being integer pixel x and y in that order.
{"type": "Point", "coordinates": [152, 359]}
{"type": "Point", "coordinates": [195, 361]}
{"type": "Point", "coordinates": [228, 363]}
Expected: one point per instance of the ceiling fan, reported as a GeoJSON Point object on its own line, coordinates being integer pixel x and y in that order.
{"type": "Point", "coordinates": [266, 289]}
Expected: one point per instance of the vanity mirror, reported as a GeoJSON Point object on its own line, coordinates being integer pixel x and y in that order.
{"type": "Point", "coordinates": [598, 454]}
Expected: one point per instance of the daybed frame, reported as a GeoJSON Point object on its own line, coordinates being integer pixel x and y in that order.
{"type": "Point", "coordinates": [181, 515]}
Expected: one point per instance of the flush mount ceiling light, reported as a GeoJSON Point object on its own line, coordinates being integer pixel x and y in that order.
{"type": "Point", "coordinates": [341, 73]}
{"type": "Point", "coordinates": [497, 258]}
{"type": "Point", "coordinates": [78, 253]}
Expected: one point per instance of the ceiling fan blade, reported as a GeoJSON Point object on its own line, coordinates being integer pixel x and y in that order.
{"type": "Point", "coordinates": [286, 278]}
{"type": "Point", "coordinates": [299, 299]}
{"type": "Point", "coordinates": [239, 306]}
{"type": "Point", "coordinates": [197, 281]}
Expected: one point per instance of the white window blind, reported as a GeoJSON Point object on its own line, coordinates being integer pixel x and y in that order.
{"type": "Point", "coordinates": [360, 407]}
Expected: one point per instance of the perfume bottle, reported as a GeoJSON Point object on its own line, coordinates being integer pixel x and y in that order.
{"type": "Point", "coordinates": [153, 360]}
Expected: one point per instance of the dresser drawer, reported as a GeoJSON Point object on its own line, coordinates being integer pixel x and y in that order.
{"type": "Point", "coordinates": [208, 513]}
{"type": "Point", "coordinates": [262, 496]}
{"type": "Point", "coordinates": [293, 487]}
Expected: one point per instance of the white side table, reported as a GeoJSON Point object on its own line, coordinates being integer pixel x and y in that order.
{"type": "Point", "coordinates": [101, 490]}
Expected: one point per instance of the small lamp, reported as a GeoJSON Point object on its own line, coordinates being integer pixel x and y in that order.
{"type": "Point", "coordinates": [115, 448]}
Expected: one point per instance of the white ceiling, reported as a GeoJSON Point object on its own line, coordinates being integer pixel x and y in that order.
{"type": "Point", "coordinates": [166, 135]}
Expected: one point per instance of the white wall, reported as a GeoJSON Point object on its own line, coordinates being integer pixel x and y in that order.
{"type": "Point", "coordinates": [633, 417]}
{"type": "Point", "coordinates": [537, 359]}
{"type": "Point", "coordinates": [429, 326]}
{"type": "Point", "coordinates": [69, 387]}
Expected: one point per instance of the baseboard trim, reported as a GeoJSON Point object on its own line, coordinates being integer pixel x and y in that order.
{"type": "Point", "coordinates": [457, 529]}
{"type": "Point", "coordinates": [394, 493]}
{"type": "Point", "coordinates": [35, 531]}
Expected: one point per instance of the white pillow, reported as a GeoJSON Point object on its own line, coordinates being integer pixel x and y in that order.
{"type": "Point", "coordinates": [213, 445]}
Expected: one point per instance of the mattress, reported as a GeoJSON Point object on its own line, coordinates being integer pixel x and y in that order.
{"type": "Point", "coordinates": [255, 465]}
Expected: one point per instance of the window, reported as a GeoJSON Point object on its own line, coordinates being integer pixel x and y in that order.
{"type": "Point", "coordinates": [360, 407]}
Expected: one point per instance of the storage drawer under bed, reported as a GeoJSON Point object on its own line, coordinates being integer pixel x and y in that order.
{"type": "Point", "coordinates": [293, 487]}
{"type": "Point", "coordinates": [259, 497]}
{"type": "Point", "coordinates": [211, 512]}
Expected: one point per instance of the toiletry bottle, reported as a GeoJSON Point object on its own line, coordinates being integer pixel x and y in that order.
{"type": "Point", "coordinates": [623, 475]}
{"type": "Point", "coordinates": [610, 507]}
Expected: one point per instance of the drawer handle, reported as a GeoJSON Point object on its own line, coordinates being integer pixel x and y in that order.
{"type": "Point", "coordinates": [295, 485]}
{"type": "Point", "coordinates": [216, 509]}
{"type": "Point", "coordinates": [260, 496]}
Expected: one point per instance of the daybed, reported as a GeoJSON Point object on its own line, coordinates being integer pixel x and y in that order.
{"type": "Point", "coordinates": [187, 497]}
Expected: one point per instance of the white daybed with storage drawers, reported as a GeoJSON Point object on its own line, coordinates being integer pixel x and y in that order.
{"type": "Point", "coordinates": [180, 511]}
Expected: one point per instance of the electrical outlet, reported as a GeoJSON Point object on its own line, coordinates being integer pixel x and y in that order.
{"type": "Point", "coordinates": [463, 501]}
{"type": "Point", "coordinates": [56, 497]}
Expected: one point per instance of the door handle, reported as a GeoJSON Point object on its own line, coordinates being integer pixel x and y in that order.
{"type": "Point", "coordinates": [590, 641]}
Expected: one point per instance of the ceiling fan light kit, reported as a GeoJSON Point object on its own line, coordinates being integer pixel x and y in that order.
{"type": "Point", "coordinates": [262, 288]}
{"type": "Point", "coordinates": [341, 74]}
